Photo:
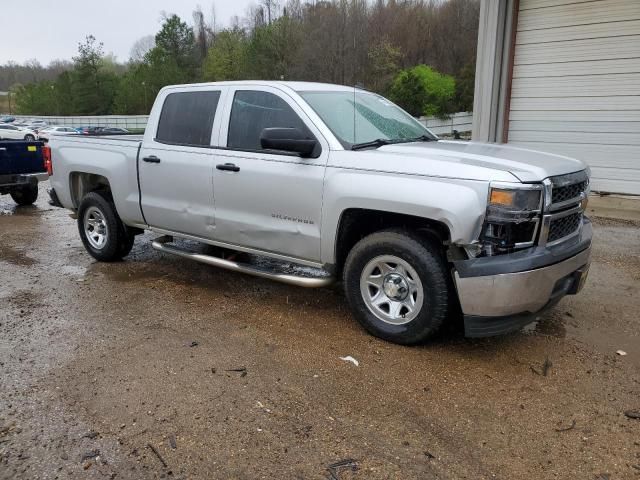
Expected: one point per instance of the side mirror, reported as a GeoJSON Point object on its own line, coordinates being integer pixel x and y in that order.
{"type": "Point", "coordinates": [288, 140]}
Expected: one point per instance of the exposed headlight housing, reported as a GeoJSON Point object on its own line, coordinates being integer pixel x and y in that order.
{"type": "Point", "coordinates": [512, 219]}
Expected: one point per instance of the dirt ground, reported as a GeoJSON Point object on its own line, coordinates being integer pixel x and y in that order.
{"type": "Point", "coordinates": [159, 368]}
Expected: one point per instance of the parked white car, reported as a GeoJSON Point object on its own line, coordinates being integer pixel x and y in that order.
{"type": "Point", "coordinates": [37, 124]}
{"type": "Point", "coordinates": [11, 132]}
{"type": "Point", "coordinates": [23, 122]}
{"type": "Point", "coordinates": [47, 132]}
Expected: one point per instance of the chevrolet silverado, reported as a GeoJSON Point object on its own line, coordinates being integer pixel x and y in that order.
{"type": "Point", "coordinates": [345, 185]}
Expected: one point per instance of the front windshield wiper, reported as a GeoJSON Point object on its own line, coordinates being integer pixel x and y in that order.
{"type": "Point", "coordinates": [421, 138]}
{"type": "Point", "coordinates": [380, 142]}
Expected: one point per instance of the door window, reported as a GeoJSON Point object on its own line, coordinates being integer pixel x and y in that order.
{"type": "Point", "coordinates": [253, 111]}
{"type": "Point", "coordinates": [187, 118]}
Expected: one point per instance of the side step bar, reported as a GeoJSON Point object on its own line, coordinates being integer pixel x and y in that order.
{"type": "Point", "coordinates": [160, 244]}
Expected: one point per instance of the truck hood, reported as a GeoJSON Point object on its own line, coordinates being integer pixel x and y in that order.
{"type": "Point", "coordinates": [469, 160]}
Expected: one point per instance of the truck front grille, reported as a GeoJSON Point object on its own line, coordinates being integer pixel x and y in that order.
{"type": "Point", "coordinates": [568, 192]}
{"type": "Point", "coordinates": [564, 211]}
{"type": "Point", "coordinates": [564, 226]}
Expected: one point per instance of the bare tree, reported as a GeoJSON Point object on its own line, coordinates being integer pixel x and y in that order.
{"type": "Point", "coordinates": [270, 9]}
{"type": "Point", "coordinates": [141, 47]}
{"type": "Point", "coordinates": [200, 31]}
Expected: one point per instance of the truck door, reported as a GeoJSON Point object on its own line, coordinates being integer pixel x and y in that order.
{"type": "Point", "coordinates": [176, 162]}
{"type": "Point", "coordinates": [266, 200]}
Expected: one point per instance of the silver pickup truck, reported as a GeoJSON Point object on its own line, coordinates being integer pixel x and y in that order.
{"type": "Point", "coordinates": [339, 183]}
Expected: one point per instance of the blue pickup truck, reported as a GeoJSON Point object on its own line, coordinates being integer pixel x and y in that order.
{"type": "Point", "coordinates": [22, 166]}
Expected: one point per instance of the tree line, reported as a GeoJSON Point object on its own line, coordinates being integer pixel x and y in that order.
{"type": "Point", "coordinates": [420, 53]}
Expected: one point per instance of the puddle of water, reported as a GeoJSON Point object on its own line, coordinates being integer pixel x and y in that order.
{"type": "Point", "coordinates": [15, 256]}
{"type": "Point", "coordinates": [13, 209]}
{"type": "Point", "coordinates": [550, 324]}
{"type": "Point", "coordinates": [123, 272]}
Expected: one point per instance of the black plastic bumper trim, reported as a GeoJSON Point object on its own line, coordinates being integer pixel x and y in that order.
{"type": "Point", "coordinates": [479, 327]}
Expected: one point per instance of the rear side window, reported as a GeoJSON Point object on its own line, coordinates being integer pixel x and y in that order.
{"type": "Point", "coordinates": [187, 118]}
{"type": "Point", "coordinates": [253, 111]}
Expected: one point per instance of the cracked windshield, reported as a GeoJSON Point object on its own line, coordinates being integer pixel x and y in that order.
{"type": "Point", "coordinates": [358, 117]}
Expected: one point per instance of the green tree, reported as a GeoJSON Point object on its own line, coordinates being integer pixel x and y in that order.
{"type": "Point", "coordinates": [35, 99]}
{"type": "Point", "coordinates": [63, 94]}
{"type": "Point", "coordinates": [465, 83]}
{"type": "Point", "coordinates": [338, 41]}
{"type": "Point", "coordinates": [140, 85]}
{"type": "Point", "coordinates": [384, 63]}
{"type": "Point", "coordinates": [421, 90]}
{"type": "Point", "coordinates": [176, 40]}
{"type": "Point", "coordinates": [226, 59]}
{"type": "Point", "coordinates": [273, 49]}
{"type": "Point", "coordinates": [172, 61]}
{"type": "Point", "coordinates": [94, 86]}
{"type": "Point", "coordinates": [133, 97]}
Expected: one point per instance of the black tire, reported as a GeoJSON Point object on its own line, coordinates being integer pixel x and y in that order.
{"type": "Point", "coordinates": [426, 259]}
{"type": "Point", "coordinates": [118, 241]}
{"type": "Point", "coordinates": [25, 195]}
{"type": "Point", "coordinates": [29, 138]}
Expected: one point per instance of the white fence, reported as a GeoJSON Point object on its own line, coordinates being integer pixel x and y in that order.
{"type": "Point", "coordinates": [124, 121]}
{"type": "Point", "coordinates": [461, 121]}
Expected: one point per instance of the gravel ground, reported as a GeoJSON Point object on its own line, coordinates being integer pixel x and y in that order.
{"type": "Point", "coordinates": [159, 368]}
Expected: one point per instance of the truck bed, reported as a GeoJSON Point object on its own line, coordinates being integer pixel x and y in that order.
{"type": "Point", "coordinates": [132, 137]}
{"type": "Point", "coordinates": [111, 157]}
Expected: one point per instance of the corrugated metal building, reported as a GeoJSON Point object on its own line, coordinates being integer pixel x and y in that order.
{"type": "Point", "coordinates": [564, 76]}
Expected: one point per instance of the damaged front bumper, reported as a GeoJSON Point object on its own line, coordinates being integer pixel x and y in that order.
{"type": "Point", "coordinates": [502, 294]}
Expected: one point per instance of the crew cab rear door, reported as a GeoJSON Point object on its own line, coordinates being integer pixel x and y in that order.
{"type": "Point", "coordinates": [176, 162]}
{"type": "Point", "coordinates": [268, 200]}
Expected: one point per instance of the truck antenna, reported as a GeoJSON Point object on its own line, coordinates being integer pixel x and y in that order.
{"type": "Point", "coordinates": [354, 89]}
{"type": "Point", "coordinates": [354, 113]}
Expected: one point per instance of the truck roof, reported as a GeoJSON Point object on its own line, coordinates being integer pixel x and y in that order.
{"type": "Point", "coordinates": [296, 86]}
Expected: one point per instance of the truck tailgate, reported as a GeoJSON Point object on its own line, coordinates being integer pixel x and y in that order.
{"type": "Point", "coordinates": [21, 157]}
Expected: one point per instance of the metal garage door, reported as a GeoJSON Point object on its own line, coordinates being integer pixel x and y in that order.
{"type": "Point", "coordinates": [576, 86]}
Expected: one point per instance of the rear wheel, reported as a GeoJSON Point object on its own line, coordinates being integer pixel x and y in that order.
{"type": "Point", "coordinates": [396, 284]}
{"type": "Point", "coordinates": [29, 138]}
{"type": "Point", "coordinates": [102, 232]}
{"type": "Point", "coordinates": [25, 195]}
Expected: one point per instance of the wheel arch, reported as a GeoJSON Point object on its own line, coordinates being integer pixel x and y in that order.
{"type": "Point", "coordinates": [81, 183]}
{"type": "Point", "coordinates": [357, 223]}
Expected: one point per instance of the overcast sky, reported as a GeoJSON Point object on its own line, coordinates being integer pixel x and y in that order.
{"type": "Point", "coordinates": [47, 30]}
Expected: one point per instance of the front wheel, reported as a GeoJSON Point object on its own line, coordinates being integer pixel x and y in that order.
{"type": "Point", "coordinates": [26, 194]}
{"type": "Point", "coordinates": [29, 138]}
{"type": "Point", "coordinates": [103, 234]}
{"type": "Point", "coordinates": [397, 286]}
